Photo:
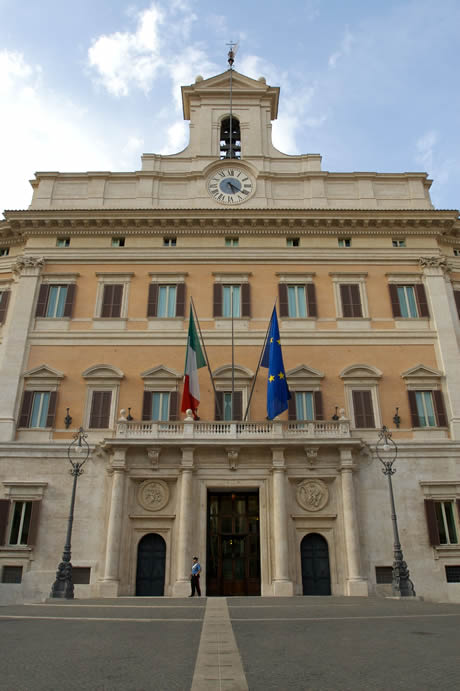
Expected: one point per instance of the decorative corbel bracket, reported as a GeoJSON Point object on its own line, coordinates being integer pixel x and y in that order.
{"type": "Point", "coordinates": [233, 457]}
{"type": "Point", "coordinates": [153, 452]}
{"type": "Point", "coordinates": [311, 453]}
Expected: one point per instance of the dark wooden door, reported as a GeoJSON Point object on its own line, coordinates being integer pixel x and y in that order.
{"type": "Point", "coordinates": [316, 577]}
{"type": "Point", "coordinates": [233, 549]}
{"type": "Point", "coordinates": [151, 558]}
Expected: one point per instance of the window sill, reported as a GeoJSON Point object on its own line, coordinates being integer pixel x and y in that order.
{"type": "Point", "coordinates": [165, 323]}
{"type": "Point", "coordinates": [52, 323]}
{"type": "Point", "coordinates": [32, 434]}
{"type": "Point", "coordinates": [110, 323]}
{"type": "Point", "coordinates": [225, 323]}
{"type": "Point", "coordinates": [421, 433]}
{"type": "Point", "coordinates": [412, 322]}
{"type": "Point", "coordinates": [446, 551]}
{"type": "Point", "coordinates": [354, 322]}
{"type": "Point", "coordinates": [298, 322]}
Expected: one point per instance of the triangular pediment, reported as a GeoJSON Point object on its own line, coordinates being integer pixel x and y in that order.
{"type": "Point", "coordinates": [43, 372]}
{"type": "Point", "coordinates": [421, 372]}
{"type": "Point", "coordinates": [161, 372]}
{"type": "Point", "coordinates": [303, 371]}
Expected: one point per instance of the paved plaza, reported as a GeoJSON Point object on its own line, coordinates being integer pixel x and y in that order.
{"type": "Point", "coordinates": [163, 644]}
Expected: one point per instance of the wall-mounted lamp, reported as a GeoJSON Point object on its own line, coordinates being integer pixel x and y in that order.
{"type": "Point", "coordinates": [396, 418]}
{"type": "Point", "coordinates": [129, 417]}
{"type": "Point", "coordinates": [335, 416]}
{"type": "Point", "coordinates": [67, 419]}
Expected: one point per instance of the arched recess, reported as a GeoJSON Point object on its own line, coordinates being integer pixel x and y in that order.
{"type": "Point", "coordinates": [316, 573]}
{"type": "Point", "coordinates": [230, 137]}
{"type": "Point", "coordinates": [151, 563]}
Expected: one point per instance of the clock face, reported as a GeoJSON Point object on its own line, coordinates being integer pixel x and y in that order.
{"type": "Point", "coordinates": [230, 185]}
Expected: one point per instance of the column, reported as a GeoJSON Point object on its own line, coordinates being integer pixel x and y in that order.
{"type": "Point", "coordinates": [444, 316]}
{"type": "Point", "coordinates": [184, 528]}
{"type": "Point", "coordinates": [14, 346]}
{"type": "Point", "coordinates": [282, 586]}
{"type": "Point", "coordinates": [356, 584]}
{"type": "Point", "coordinates": [110, 584]}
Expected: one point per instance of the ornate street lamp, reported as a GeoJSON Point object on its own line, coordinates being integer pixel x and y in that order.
{"type": "Point", "coordinates": [77, 453]}
{"type": "Point", "coordinates": [387, 452]}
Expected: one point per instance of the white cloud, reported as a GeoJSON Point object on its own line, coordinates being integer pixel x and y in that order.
{"type": "Point", "coordinates": [344, 49]}
{"type": "Point", "coordinates": [177, 138]}
{"type": "Point", "coordinates": [425, 149]}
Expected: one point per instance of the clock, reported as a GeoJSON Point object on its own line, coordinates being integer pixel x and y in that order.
{"type": "Point", "coordinates": [230, 185]}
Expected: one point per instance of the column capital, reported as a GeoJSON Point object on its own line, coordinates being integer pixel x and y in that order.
{"type": "Point", "coordinates": [118, 461]}
{"type": "Point", "coordinates": [346, 459]}
{"type": "Point", "coordinates": [278, 461]}
{"type": "Point", "coordinates": [434, 266]}
{"type": "Point", "coordinates": [187, 461]}
{"type": "Point", "coordinates": [28, 266]}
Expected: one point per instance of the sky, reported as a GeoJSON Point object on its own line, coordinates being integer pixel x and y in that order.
{"type": "Point", "coordinates": [91, 85]}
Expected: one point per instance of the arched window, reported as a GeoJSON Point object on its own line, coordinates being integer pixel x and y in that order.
{"type": "Point", "coordinates": [230, 138]}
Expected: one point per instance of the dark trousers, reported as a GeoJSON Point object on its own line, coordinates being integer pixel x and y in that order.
{"type": "Point", "coordinates": [195, 581]}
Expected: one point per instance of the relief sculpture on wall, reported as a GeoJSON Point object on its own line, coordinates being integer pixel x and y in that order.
{"type": "Point", "coordinates": [153, 495]}
{"type": "Point", "coordinates": [312, 495]}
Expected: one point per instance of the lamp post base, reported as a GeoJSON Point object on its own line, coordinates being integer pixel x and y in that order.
{"type": "Point", "coordinates": [63, 585]}
{"type": "Point", "coordinates": [402, 584]}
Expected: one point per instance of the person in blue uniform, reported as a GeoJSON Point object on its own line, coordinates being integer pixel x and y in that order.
{"type": "Point", "coordinates": [195, 577]}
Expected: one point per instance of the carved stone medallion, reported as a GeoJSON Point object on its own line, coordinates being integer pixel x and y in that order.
{"type": "Point", "coordinates": [312, 495]}
{"type": "Point", "coordinates": [153, 495]}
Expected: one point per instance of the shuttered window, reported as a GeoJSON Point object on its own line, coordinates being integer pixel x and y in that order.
{"type": "Point", "coordinates": [441, 522]}
{"type": "Point", "coordinates": [23, 528]}
{"type": "Point", "coordinates": [101, 402]}
{"type": "Point", "coordinates": [222, 300]}
{"type": "Point", "coordinates": [427, 408]}
{"type": "Point", "coordinates": [111, 300]}
{"type": "Point", "coordinates": [457, 301]}
{"type": "Point", "coordinates": [55, 301]}
{"type": "Point", "coordinates": [223, 405]}
{"type": "Point", "coordinates": [160, 406]}
{"type": "Point", "coordinates": [350, 295]}
{"type": "Point", "coordinates": [38, 409]}
{"type": "Point", "coordinates": [166, 300]}
{"type": "Point", "coordinates": [363, 409]}
{"type": "Point", "coordinates": [409, 301]}
{"type": "Point", "coordinates": [297, 301]}
{"type": "Point", "coordinates": [4, 300]}
{"type": "Point", "coordinates": [305, 405]}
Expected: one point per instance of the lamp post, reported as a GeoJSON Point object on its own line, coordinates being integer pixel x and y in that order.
{"type": "Point", "coordinates": [77, 453]}
{"type": "Point", "coordinates": [387, 452]}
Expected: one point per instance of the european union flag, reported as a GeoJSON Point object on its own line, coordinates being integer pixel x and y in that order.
{"type": "Point", "coordinates": [277, 388]}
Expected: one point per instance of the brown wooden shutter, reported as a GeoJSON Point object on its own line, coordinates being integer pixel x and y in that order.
{"type": "Point", "coordinates": [219, 405]}
{"type": "Point", "coordinates": [312, 310]}
{"type": "Point", "coordinates": [4, 300]}
{"type": "Point", "coordinates": [4, 515]}
{"type": "Point", "coordinates": [351, 300]}
{"type": "Point", "coordinates": [246, 300]}
{"type": "Point", "coordinates": [237, 405]}
{"type": "Point", "coordinates": [217, 301]}
{"type": "Point", "coordinates": [356, 300]}
{"type": "Point", "coordinates": [42, 301]}
{"type": "Point", "coordinates": [34, 519]}
{"type": "Point", "coordinates": [421, 300]}
{"type": "Point", "coordinates": [318, 397]}
{"type": "Point", "coordinates": [51, 409]}
{"type": "Point", "coordinates": [283, 298]}
{"type": "Point", "coordinates": [117, 298]}
{"type": "Point", "coordinates": [180, 300]}
{"type": "Point", "coordinates": [413, 409]}
{"type": "Point", "coordinates": [358, 409]}
{"type": "Point", "coordinates": [457, 301]}
{"type": "Point", "coordinates": [70, 299]}
{"type": "Point", "coordinates": [100, 409]}
{"type": "Point", "coordinates": [26, 409]}
{"type": "Point", "coordinates": [362, 406]}
{"type": "Point", "coordinates": [107, 299]}
{"type": "Point", "coordinates": [458, 508]}
{"type": "Point", "coordinates": [111, 300]}
{"type": "Point", "coordinates": [432, 522]}
{"type": "Point", "coordinates": [152, 304]}
{"type": "Point", "coordinates": [173, 405]}
{"type": "Point", "coordinates": [395, 306]}
{"type": "Point", "coordinates": [440, 408]}
{"type": "Point", "coordinates": [292, 408]}
{"type": "Point", "coordinates": [147, 406]}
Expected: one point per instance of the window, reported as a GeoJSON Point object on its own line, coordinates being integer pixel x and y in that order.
{"type": "Point", "coordinates": [427, 409]}
{"type": "Point", "coordinates": [231, 242]}
{"type": "Point", "coordinates": [12, 574]}
{"type": "Point", "coordinates": [409, 301]}
{"type": "Point", "coordinates": [456, 298]}
{"type": "Point", "coordinates": [118, 242]}
{"type": "Point", "coordinates": [227, 296]}
{"type": "Point", "coordinates": [112, 297]}
{"type": "Point", "coordinates": [292, 242]}
{"type": "Point", "coordinates": [38, 409]}
{"type": "Point", "coordinates": [305, 405]}
{"type": "Point", "coordinates": [101, 403]}
{"type": "Point", "coordinates": [55, 300]}
{"type": "Point", "coordinates": [81, 575]}
{"type": "Point", "coordinates": [20, 524]}
{"type": "Point", "coordinates": [62, 242]}
{"type": "Point", "coordinates": [363, 409]}
{"type": "Point", "coordinates": [398, 243]}
{"type": "Point", "coordinates": [223, 405]}
{"type": "Point", "coordinates": [160, 406]}
{"type": "Point", "coordinates": [169, 242]}
{"type": "Point", "coordinates": [384, 575]}
{"type": "Point", "coordinates": [350, 296]}
{"type": "Point", "coordinates": [4, 300]}
{"type": "Point", "coordinates": [4, 251]}
{"type": "Point", "coordinates": [441, 521]}
{"type": "Point", "coordinates": [344, 242]}
{"type": "Point", "coordinates": [166, 300]}
{"type": "Point", "coordinates": [297, 304]}
{"type": "Point", "coordinates": [457, 251]}
{"type": "Point", "coordinates": [453, 574]}
{"type": "Point", "coordinates": [230, 138]}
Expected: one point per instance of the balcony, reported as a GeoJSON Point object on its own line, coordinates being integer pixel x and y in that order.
{"type": "Point", "coordinates": [234, 431]}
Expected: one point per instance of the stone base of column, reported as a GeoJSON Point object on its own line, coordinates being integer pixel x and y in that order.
{"type": "Point", "coordinates": [182, 589]}
{"type": "Point", "coordinates": [357, 587]}
{"type": "Point", "coordinates": [109, 588]}
{"type": "Point", "coordinates": [283, 589]}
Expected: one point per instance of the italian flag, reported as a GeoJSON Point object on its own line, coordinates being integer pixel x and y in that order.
{"type": "Point", "coordinates": [194, 359]}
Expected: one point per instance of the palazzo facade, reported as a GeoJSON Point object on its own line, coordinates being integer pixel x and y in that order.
{"type": "Point", "coordinates": [95, 282]}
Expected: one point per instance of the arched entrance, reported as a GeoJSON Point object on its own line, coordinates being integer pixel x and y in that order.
{"type": "Point", "coordinates": [316, 577]}
{"type": "Point", "coordinates": [151, 558]}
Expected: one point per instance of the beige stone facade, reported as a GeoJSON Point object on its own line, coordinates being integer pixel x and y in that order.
{"type": "Point", "coordinates": [95, 282]}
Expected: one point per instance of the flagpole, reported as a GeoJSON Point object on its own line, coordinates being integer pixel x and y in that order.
{"type": "Point", "coordinates": [233, 356]}
{"type": "Point", "coordinates": [206, 356]}
{"type": "Point", "coordinates": [258, 365]}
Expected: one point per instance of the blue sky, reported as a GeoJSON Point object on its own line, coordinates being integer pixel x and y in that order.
{"type": "Point", "coordinates": [371, 86]}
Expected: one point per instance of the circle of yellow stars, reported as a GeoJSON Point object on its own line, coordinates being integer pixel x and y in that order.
{"type": "Point", "coordinates": [281, 374]}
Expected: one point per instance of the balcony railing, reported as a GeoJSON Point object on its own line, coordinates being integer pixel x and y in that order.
{"type": "Point", "coordinates": [189, 430]}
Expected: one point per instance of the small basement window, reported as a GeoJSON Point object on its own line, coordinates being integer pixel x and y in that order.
{"type": "Point", "coordinates": [81, 575]}
{"type": "Point", "coordinates": [453, 574]}
{"type": "Point", "coordinates": [12, 574]}
{"type": "Point", "coordinates": [384, 575]}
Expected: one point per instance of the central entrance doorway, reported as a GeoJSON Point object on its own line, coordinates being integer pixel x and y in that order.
{"type": "Point", "coordinates": [233, 544]}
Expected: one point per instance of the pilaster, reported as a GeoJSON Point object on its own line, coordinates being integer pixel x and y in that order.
{"type": "Point", "coordinates": [356, 584]}
{"type": "Point", "coordinates": [184, 547]}
{"type": "Point", "coordinates": [282, 585]}
{"type": "Point", "coordinates": [110, 584]}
